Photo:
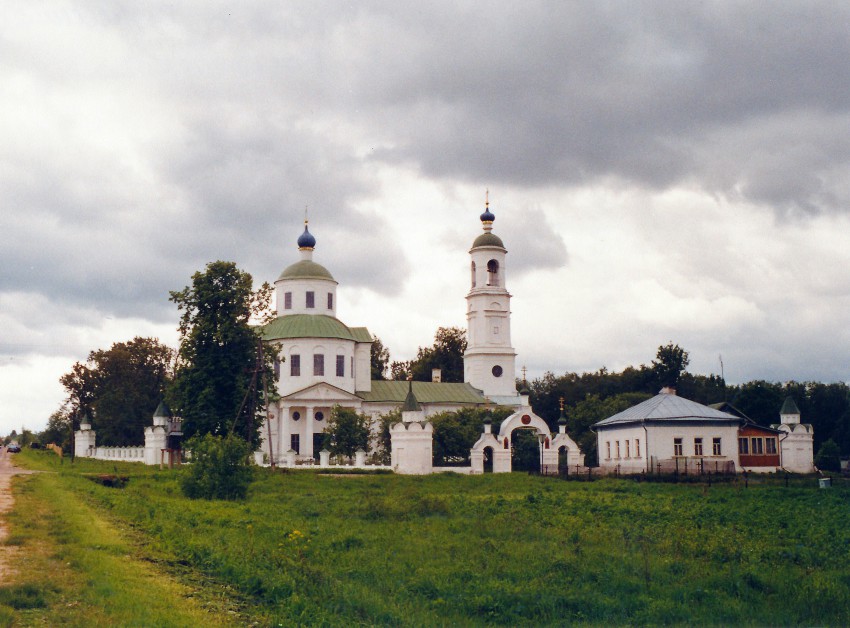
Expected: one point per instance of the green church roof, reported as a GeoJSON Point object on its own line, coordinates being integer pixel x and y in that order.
{"type": "Point", "coordinates": [425, 392]}
{"type": "Point", "coordinates": [789, 407]}
{"type": "Point", "coordinates": [488, 239]}
{"type": "Point", "coordinates": [306, 269]}
{"type": "Point", "coordinates": [361, 334]}
{"type": "Point", "coordinates": [313, 326]}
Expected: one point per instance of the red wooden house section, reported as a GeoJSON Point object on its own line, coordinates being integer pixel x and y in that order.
{"type": "Point", "coordinates": [758, 446]}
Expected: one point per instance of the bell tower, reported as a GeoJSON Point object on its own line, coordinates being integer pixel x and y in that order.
{"type": "Point", "coordinates": [489, 361]}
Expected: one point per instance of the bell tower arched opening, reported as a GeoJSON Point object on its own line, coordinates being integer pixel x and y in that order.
{"type": "Point", "coordinates": [493, 273]}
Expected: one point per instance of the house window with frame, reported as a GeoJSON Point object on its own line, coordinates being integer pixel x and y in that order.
{"type": "Point", "coordinates": [770, 446]}
{"type": "Point", "coordinates": [637, 448]}
{"type": "Point", "coordinates": [677, 446]}
{"type": "Point", "coordinates": [627, 449]}
{"type": "Point", "coordinates": [295, 365]}
{"type": "Point", "coordinates": [295, 443]}
{"type": "Point", "coordinates": [757, 446]}
{"type": "Point", "coordinates": [608, 450]}
{"type": "Point", "coordinates": [618, 450]}
{"type": "Point", "coordinates": [311, 300]}
{"type": "Point", "coordinates": [287, 300]}
{"type": "Point", "coordinates": [744, 445]}
{"type": "Point", "coordinates": [277, 368]}
{"type": "Point", "coordinates": [351, 370]}
{"type": "Point", "coordinates": [715, 446]}
{"type": "Point", "coordinates": [318, 364]}
{"type": "Point", "coordinates": [340, 366]}
{"type": "Point", "coordinates": [330, 300]}
{"type": "Point", "coordinates": [698, 446]}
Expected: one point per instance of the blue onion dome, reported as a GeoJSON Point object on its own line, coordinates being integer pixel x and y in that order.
{"type": "Point", "coordinates": [306, 239]}
{"type": "Point", "coordinates": [488, 238]}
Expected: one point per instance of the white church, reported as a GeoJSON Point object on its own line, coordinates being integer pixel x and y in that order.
{"type": "Point", "coordinates": [326, 363]}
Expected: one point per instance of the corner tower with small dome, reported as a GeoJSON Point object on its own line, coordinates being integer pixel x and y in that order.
{"type": "Point", "coordinates": [489, 361]}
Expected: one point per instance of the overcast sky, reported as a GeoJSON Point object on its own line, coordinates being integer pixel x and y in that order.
{"type": "Point", "coordinates": [659, 171]}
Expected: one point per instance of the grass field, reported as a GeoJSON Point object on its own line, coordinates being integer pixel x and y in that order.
{"type": "Point", "coordinates": [507, 549]}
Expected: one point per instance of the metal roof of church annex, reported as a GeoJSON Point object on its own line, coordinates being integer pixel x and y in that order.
{"type": "Point", "coordinates": [425, 392]}
{"type": "Point", "coordinates": [667, 407]}
{"type": "Point", "coordinates": [313, 326]}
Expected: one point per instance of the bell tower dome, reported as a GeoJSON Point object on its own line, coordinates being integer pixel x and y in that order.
{"type": "Point", "coordinates": [489, 361]}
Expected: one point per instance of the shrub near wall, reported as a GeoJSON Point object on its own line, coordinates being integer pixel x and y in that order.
{"type": "Point", "coordinates": [220, 468]}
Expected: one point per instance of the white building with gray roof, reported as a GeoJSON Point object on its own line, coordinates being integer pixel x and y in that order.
{"type": "Point", "coordinates": [665, 433]}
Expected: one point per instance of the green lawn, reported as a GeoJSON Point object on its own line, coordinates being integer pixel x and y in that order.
{"type": "Point", "coordinates": [507, 549]}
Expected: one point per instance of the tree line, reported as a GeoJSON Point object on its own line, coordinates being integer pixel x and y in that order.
{"type": "Point", "coordinates": [217, 379]}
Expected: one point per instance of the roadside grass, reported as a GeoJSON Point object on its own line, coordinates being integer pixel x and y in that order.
{"type": "Point", "coordinates": [75, 568]}
{"type": "Point", "coordinates": [308, 548]}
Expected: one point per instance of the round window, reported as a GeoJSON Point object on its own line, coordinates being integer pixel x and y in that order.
{"type": "Point", "coordinates": [296, 415]}
{"type": "Point", "coordinates": [497, 371]}
{"type": "Point", "coordinates": [320, 416]}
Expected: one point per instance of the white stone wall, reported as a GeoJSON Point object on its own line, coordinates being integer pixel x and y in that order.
{"type": "Point", "coordinates": [123, 454]}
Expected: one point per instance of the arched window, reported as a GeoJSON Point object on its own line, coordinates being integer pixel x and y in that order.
{"type": "Point", "coordinates": [492, 273]}
{"type": "Point", "coordinates": [473, 274]}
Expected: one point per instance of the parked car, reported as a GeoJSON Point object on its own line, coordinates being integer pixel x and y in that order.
{"type": "Point", "coordinates": [13, 448]}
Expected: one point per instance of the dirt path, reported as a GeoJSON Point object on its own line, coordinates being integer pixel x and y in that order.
{"type": "Point", "coordinates": [7, 552]}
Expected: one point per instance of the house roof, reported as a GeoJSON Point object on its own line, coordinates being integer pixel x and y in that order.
{"type": "Point", "coordinates": [313, 326]}
{"type": "Point", "coordinates": [425, 392]}
{"type": "Point", "coordinates": [666, 407]}
{"type": "Point", "coordinates": [725, 406]}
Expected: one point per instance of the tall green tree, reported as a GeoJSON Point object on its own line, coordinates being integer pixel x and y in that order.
{"type": "Point", "coordinates": [379, 359]}
{"type": "Point", "coordinates": [58, 430]}
{"type": "Point", "coordinates": [80, 384]}
{"type": "Point", "coordinates": [119, 388]}
{"type": "Point", "coordinates": [218, 352]}
{"type": "Point", "coordinates": [669, 364]}
{"type": "Point", "coordinates": [446, 354]}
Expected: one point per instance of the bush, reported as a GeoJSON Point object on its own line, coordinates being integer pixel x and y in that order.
{"type": "Point", "coordinates": [829, 455]}
{"type": "Point", "coordinates": [346, 432]}
{"type": "Point", "coordinates": [220, 468]}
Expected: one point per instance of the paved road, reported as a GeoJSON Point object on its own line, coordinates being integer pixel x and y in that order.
{"type": "Point", "coordinates": [7, 470]}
